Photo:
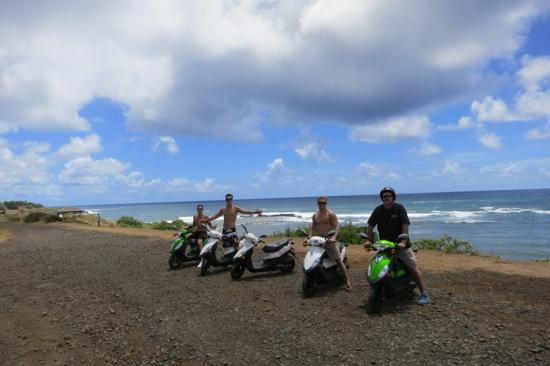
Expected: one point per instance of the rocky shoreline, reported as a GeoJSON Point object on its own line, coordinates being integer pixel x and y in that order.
{"type": "Point", "coordinates": [71, 296]}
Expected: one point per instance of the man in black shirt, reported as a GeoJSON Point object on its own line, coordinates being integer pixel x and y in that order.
{"type": "Point", "coordinates": [393, 223]}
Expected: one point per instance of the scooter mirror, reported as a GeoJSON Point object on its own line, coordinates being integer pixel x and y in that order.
{"type": "Point", "coordinates": [330, 233]}
{"type": "Point", "coordinates": [262, 236]}
{"type": "Point", "coordinates": [363, 235]}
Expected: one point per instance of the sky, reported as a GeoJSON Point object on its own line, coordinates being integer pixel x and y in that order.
{"type": "Point", "coordinates": [153, 101]}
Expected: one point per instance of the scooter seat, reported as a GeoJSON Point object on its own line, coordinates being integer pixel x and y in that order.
{"type": "Point", "coordinates": [273, 247]}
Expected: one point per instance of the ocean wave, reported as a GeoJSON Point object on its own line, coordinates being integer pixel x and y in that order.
{"type": "Point", "coordinates": [514, 210]}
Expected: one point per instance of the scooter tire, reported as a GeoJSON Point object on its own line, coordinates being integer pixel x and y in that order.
{"type": "Point", "coordinates": [237, 271]}
{"type": "Point", "coordinates": [288, 267]}
{"type": "Point", "coordinates": [375, 299]}
{"type": "Point", "coordinates": [204, 267]}
{"type": "Point", "coordinates": [174, 261]}
{"type": "Point", "coordinates": [308, 286]}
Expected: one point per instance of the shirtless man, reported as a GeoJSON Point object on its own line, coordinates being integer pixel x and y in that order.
{"type": "Point", "coordinates": [322, 222]}
{"type": "Point", "coordinates": [229, 213]}
{"type": "Point", "coordinates": [200, 231]}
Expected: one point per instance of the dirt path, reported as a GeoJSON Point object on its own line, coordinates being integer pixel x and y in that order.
{"type": "Point", "coordinates": [88, 297]}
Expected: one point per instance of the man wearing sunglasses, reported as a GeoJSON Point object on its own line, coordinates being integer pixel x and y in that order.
{"type": "Point", "coordinates": [393, 223]}
{"type": "Point", "coordinates": [229, 213]}
{"type": "Point", "coordinates": [200, 231]}
{"type": "Point", "coordinates": [322, 222]}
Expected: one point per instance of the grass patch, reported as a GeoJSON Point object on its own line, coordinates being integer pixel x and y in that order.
{"type": "Point", "coordinates": [129, 221]}
{"type": "Point", "coordinates": [446, 244]}
{"type": "Point", "coordinates": [14, 205]}
{"type": "Point", "coordinates": [13, 217]}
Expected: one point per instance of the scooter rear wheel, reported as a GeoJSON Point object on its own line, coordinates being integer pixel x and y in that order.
{"type": "Point", "coordinates": [288, 267]}
{"type": "Point", "coordinates": [174, 261]}
{"type": "Point", "coordinates": [237, 271]}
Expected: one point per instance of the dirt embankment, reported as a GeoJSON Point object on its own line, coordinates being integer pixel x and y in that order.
{"type": "Point", "coordinates": [70, 296]}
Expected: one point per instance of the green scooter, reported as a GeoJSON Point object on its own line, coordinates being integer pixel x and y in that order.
{"type": "Point", "coordinates": [183, 249]}
{"type": "Point", "coordinates": [386, 275]}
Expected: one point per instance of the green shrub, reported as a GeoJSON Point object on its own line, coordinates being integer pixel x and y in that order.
{"type": "Point", "coordinates": [179, 223]}
{"type": "Point", "coordinates": [129, 221]}
{"type": "Point", "coordinates": [446, 244]}
{"type": "Point", "coordinates": [293, 233]}
{"type": "Point", "coordinates": [165, 225]}
{"type": "Point", "coordinates": [14, 205]}
{"type": "Point", "coordinates": [41, 216]}
{"type": "Point", "coordinates": [13, 218]}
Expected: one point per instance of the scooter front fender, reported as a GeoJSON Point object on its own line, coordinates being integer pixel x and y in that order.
{"type": "Point", "coordinates": [378, 268]}
{"type": "Point", "coordinates": [209, 246]}
{"type": "Point", "coordinates": [313, 258]}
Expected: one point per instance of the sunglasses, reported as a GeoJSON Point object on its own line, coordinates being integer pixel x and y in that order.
{"type": "Point", "coordinates": [229, 198]}
{"type": "Point", "coordinates": [387, 196]}
{"type": "Point", "coordinates": [321, 203]}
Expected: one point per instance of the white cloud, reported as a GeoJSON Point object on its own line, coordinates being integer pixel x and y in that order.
{"type": "Point", "coordinates": [534, 71]}
{"type": "Point", "coordinates": [490, 140]}
{"type": "Point", "coordinates": [394, 130]}
{"type": "Point", "coordinates": [81, 146]}
{"type": "Point", "coordinates": [86, 171]}
{"type": "Point", "coordinates": [452, 168]}
{"type": "Point", "coordinates": [493, 110]}
{"type": "Point", "coordinates": [311, 150]}
{"type": "Point", "coordinates": [376, 170]}
{"type": "Point", "coordinates": [539, 133]}
{"type": "Point", "coordinates": [464, 123]}
{"type": "Point", "coordinates": [26, 169]}
{"type": "Point", "coordinates": [212, 68]}
{"type": "Point", "coordinates": [169, 143]}
{"type": "Point", "coordinates": [182, 184]}
{"type": "Point", "coordinates": [426, 149]}
{"type": "Point", "coordinates": [6, 127]}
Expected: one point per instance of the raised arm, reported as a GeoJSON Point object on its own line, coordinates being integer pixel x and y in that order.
{"type": "Point", "coordinates": [246, 212]}
{"type": "Point", "coordinates": [214, 217]}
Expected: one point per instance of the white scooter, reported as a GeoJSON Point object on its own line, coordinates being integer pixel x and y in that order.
{"type": "Point", "coordinates": [278, 256]}
{"type": "Point", "coordinates": [318, 268]}
{"type": "Point", "coordinates": [208, 253]}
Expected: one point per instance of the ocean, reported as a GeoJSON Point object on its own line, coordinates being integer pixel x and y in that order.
{"type": "Point", "coordinates": [512, 224]}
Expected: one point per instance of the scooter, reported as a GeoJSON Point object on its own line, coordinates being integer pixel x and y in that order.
{"type": "Point", "coordinates": [208, 255]}
{"type": "Point", "coordinates": [182, 250]}
{"type": "Point", "coordinates": [318, 268]}
{"type": "Point", "coordinates": [278, 256]}
{"type": "Point", "coordinates": [386, 275]}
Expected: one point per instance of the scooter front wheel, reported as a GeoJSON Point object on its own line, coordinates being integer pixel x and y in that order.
{"type": "Point", "coordinates": [204, 266]}
{"type": "Point", "coordinates": [237, 271]}
{"type": "Point", "coordinates": [375, 299]}
{"type": "Point", "coordinates": [174, 261]}
{"type": "Point", "coordinates": [308, 285]}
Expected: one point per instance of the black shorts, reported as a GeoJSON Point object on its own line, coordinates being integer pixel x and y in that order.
{"type": "Point", "coordinates": [199, 235]}
{"type": "Point", "coordinates": [230, 235]}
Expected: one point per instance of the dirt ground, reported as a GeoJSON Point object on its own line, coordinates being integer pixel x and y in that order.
{"type": "Point", "coordinates": [78, 295]}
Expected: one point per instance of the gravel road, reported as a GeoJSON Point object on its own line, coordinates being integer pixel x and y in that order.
{"type": "Point", "coordinates": [77, 297]}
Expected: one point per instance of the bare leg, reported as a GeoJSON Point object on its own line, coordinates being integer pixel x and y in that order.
{"type": "Point", "coordinates": [418, 278]}
{"type": "Point", "coordinates": [345, 272]}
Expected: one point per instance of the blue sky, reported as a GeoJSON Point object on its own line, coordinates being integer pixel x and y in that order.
{"type": "Point", "coordinates": [139, 101]}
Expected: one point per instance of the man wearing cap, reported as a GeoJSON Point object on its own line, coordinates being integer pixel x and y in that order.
{"type": "Point", "coordinates": [229, 213]}
{"type": "Point", "coordinates": [392, 222]}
